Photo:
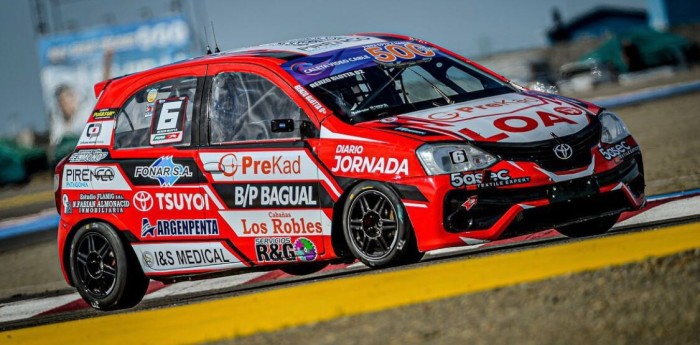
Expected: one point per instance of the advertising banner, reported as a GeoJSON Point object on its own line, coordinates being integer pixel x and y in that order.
{"type": "Point", "coordinates": [72, 63]}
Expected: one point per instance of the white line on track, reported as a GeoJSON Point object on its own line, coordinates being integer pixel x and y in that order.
{"type": "Point", "coordinates": [183, 288]}
{"type": "Point", "coordinates": [32, 307]}
{"type": "Point", "coordinates": [670, 210]}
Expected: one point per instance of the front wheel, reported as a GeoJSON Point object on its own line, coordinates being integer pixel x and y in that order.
{"type": "Point", "coordinates": [105, 274]}
{"type": "Point", "coordinates": [591, 227]}
{"type": "Point", "coordinates": [376, 226]}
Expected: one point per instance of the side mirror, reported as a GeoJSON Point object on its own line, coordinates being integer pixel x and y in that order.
{"type": "Point", "coordinates": [308, 130]}
{"type": "Point", "coordinates": [281, 126]}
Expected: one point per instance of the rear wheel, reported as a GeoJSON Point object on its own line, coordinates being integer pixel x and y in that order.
{"type": "Point", "coordinates": [591, 227]}
{"type": "Point", "coordinates": [376, 226]}
{"type": "Point", "coordinates": [105, 274]}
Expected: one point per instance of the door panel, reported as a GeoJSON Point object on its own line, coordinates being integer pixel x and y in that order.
{"type": "Point", "coordinates": [268, 181]}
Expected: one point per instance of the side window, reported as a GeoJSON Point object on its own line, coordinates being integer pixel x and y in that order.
{"type": "Point", "coordinates": [242, 106]}
{"type": "Point", "coordinates": [156, 115]}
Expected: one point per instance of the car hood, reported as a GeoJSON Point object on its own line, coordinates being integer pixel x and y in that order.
{"type": "Point", "coordinates": [509, 118]}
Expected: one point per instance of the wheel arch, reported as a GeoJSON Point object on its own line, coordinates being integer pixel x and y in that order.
{"type": "Point", "coordinates": [69, 242]}
{"type": "Point", "coordinates": [340, 247]}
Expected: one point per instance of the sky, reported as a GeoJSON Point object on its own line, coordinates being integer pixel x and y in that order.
{"type": "Point", "coordinates": [469, 27]}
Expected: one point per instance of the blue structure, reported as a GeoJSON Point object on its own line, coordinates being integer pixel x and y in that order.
{"type": "Point", "coordinates": [665, 14]}
{"type": "Point", "coordinates": [596, 23]}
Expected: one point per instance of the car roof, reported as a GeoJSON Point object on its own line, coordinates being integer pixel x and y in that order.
{"type": "Point", "coordinates": [274, 53]}
{"type": "Point", "coordinates": [316, 45]}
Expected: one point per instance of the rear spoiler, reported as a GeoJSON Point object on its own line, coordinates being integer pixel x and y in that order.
{"type": "Point", "coordinates": [99, 87]}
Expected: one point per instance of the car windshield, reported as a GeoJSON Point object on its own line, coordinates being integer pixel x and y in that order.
{"type": "Point", "coordinates": [374, 89]}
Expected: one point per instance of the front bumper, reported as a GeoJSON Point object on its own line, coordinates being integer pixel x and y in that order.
{"type": "Point", "coordinates": [503, 213]}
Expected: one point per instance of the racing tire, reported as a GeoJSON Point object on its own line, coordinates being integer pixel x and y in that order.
{"type": "Point", "coordinates": [304, 269]}
{"type": "Point", "coordinates": [107, 276]}
{"type": "Point", "coordinates": [376, 227]}
{"type": "Point", "coordinates": [591, 227]}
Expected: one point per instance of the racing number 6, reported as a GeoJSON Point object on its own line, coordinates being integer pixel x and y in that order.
{"type": "Point", "coordinates": [169, 116]}
{"type": "Point", "coordinates": [390, 52]}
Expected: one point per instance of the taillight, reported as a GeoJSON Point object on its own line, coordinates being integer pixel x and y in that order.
{"type": "Point", "coordinates": [57, 176]}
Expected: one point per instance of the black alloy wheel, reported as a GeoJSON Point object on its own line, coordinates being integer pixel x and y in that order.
{"type": "Point", "coordinates": [376, 226]}
{"type": "Point", "coordinates": [107, 276]}
{"type": "Point", "coordinates": [96, 265]}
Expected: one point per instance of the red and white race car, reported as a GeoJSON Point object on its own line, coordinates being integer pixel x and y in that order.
{"type": "Point", "coordinates": [295, 154]}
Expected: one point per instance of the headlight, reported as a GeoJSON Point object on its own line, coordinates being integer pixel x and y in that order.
{"type": "Point", "coordinates": [614, 129]}
{"type": "Point", "coordinates": [448, 158]}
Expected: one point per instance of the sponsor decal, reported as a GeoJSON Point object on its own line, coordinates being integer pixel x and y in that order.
{"type": "Point", "coordinates": [185, 257]}
{"type": "Point", "coordinates": [323, 65]}
{"type": "Point", "coordinates": [352, 149]}
{"type": "Point", "coordinates": [88, 156]}
{"type": "Point", "coordinates": [93, 177]}
{"type": "Point", "coordinates": [497, 119]}
{"type": "Point", "coordinates": [311, 99]}
{"type": "Point", "coordinates": [67, 209]}
{"type": "Point", "coordinates": [389, 52]}
{"type": "Point", "coordinates": [283, 249]}
{"type": "Point", "coordinates": [470, 203]}
{"type": "Point", "coordinates": [281, 223]}
{"type": "Point", "coordinates": [258, 166]}
{"type": "Point", "coordinates": [179, 227]}
{"type": "Point", "coordinates": [618, 151]}
{"type": "Point", "coordinates": [485, 179]}
{"type": "Point", "coordinates": [149, 110]}
{"type": "Point", "coordinates": [143, 201]}
{"type": "Point", "coordinates": [275, 195]}
{"type": "Point", "coordinates": [337, 77]}
{"type": "Point", "coordinates": [93, 129]}
{"type": "Point", "coordinates": [252, 165]}
{"type": "Point", "coordinates": [81, 177]}
{"type": "Point", "coordinates": [568, 110]}
{"type": "Point", "coordinates": [104, 114]}
{"type": "Point", "coordinates": [370, 165]}
{"type": "Point", "coordinates": [312, 44]}
{"type": "Point", "coordinates": [182, 201]}
{"type": "Point", "coordinates": [304, 249]}
{"type": "Point", "coordinates": [411, 131]}
{"type": "Point", "coordinates": [168, 121]}
{"type": "Point", "coordinates": [166, 138]}
{"type": "Point", "coordinates": [164, 170]}
{"type": "Point", "coordinates": [151, 96]}
{"type": "Point", "coordinates": [364, 164]}
{"type": "Point", "coordinates": [104, 203]}
{"type": "Point", "coordinates": [228, 164]}
{"type": "Point", "coordinates": [97, 133]}
{"type": "Point", "coordinates": [314, 67]}
{"type": "Point", "coordinates": [159, 257]}
{"type": "Point", "coordinates": [458, 113]}
{"type": "Point", "coordinates": [277, 223]}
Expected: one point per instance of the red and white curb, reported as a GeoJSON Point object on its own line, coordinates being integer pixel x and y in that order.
{"type": "Point", "coordinates": [659, 208]}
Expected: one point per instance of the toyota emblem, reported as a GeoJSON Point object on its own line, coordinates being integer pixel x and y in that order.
{"type": "Point", "coordinates": [143, 201]}
{"type": "Point", "coordinates": [563, 151]}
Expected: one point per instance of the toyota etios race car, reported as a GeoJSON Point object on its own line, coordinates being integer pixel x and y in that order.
{"type": "Point", "coordinates": [295, 154]}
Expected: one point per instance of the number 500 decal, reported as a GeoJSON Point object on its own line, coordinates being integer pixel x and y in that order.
{"type": "Point", "coordinates": [392, 52]}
